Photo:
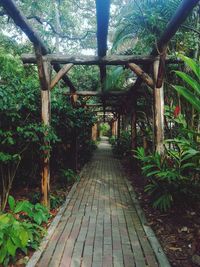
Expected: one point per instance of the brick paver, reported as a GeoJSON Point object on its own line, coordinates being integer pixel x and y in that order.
{"type": "Point", "coordinates": [100, 225]}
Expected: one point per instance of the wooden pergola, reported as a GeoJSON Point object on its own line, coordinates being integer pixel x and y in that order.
{"type": "Point", "coordinates": [140, 65]}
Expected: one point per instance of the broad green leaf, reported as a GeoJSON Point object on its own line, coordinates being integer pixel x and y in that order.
{"type": "Point", "coordinates": [192, 64]}
{"type": "Point", "coordinates": [20, 206]}
{"type": "Point", "coordinates": [3, 252]}
{"type": "Point", "coordinates": [192, 82]}
{"type": "Point", "coordinates": [11, 202]}
{"type": "Point", "coordinates": [191, 98]}
{"type": "Point", "coordinates": [11, 247]}
{"type": "Point", "coordinates": [24, 237]}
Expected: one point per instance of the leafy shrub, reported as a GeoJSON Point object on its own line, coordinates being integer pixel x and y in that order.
{"type": "Point", "coordinates": [191, 89]}
{"type": "Point", "coordinates": [20, 228]}
{"type": "Point", "coordinates": [113, 140]}
{"type": "Point", "coordinates": [123, 144]}
{"type": "Point", "coordinates": [36, 213]}
{"type": "Point", "coordinates": [69, 176]}
{"type": "Point", "coordinates": [170, 177]}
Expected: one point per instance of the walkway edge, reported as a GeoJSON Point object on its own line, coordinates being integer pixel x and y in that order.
{"type": "Point", "coordinates": [37, 254]}
{"type": "Point", "coordinates": [157, 248]}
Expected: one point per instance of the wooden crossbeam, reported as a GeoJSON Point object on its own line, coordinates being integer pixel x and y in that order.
{"type": "Point", "coordinates": [95, 93]}
{"type": "Point", "coordinates": [176, 21]}
{"type": "Point", "coordinates": [95, 60]}
{"type": "Point", "coordinates": [144, 76]}
{"type": "Point", "coordinates": [60, 74]}
{"type": "Point", "coordinates": [20, 20]}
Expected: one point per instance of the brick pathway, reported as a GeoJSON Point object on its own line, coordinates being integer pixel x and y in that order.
{"type": "Point", "coordinates": [100, 225]}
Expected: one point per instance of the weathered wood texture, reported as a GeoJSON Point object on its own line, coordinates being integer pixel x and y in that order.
{"type": "Point", "coordinates": [20, 20]}
{"type": "Point", "coordinates": [100, 225]}
{"type": "Point", "coordinates": [94, 132]}
{"type": "Point", "coordinates": [60, 74]}
{"type": "Point", "coordinates": [140, 73]}
{"type": "Point", "coordinates": [44, 71]}
{"type": "Point", "coordinates": [96, 93]}
{"type": "Point", "coordinates": [119, 126]}
{"type": "Point", "coordinates": [158, 112]}
{"type": "Point", "coordinates": [102, 15]}
{"type": "Point", "coordinates": [95, 60]}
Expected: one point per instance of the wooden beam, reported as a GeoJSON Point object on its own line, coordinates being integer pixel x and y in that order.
{"type": "Point", "coordinates": [44, 71]}
{"type": "Point", "coordinates": [144, 76]}
{"type": "Point", "coordinates": [181, 14]}
{"type": "Point", "coordinates": [99, 94]}
{"type": "Point", "coordinates": [60, 74]}
{"type": "Point", "coordinates": [20, 20]}
{"type": "Point", "coordinates": [102, 11]}
{"type": "Point", "coordinates": [119, 126]}
{"type": "Point", "coordinates": [95, 60]}
{"type": "Point", "coordinates": [158, 112]}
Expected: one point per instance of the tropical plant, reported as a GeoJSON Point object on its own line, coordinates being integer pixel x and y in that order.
{"type": "Point", "coordinates": [20, 228]}
{"type": "Point", "coordinates": [191, 89]}
{"type": "Point", "coordinates": [170, 177]}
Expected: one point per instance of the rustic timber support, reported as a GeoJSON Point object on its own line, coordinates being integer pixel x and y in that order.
{"type": "Point", "coordinates": [158, 108]}
{"type": "Point", "coordinates": [113, 60]}
{"type": "Point", "coordinates": [20, 20]}
{"type": "Point", "coordinates": [99, 94]}
{"type": "Point", "coordinates": [140, 73]}
{"type": "Point", "coordinates": [133, 128]}
{"type": "Point", "coordinates": [119, 126]}
{"type": "Point", "coordinates": [173, 25]}
{"type": "Point", "coordinates": [94, 132]}
{"type": "Point", "coordinates": [44, 71]}
{"type": "Point", "coordinates": [60, 74]}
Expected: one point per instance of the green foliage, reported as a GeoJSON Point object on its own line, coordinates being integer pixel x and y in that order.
{"type": "Point", "coordinates": [172, 176]}
{"type": "Point", "coordinates": [122, 145]}
{"type": "Point", "coordinates": [191, 90]}
{"type": "Point", "coordinates": [104, 129]}
{"type": "Point", "coordinates": [20, 228]}
{"type": "Point", "coordinates": [113, 140]}
{"type": "Point", "coordinates": [141, 22]}
{"type": "Point", "coordinates": [56, 201]}
{"type": "Point", "coordinates": [36, 213]}
{"type": "Point", "coordinates": [69, 176]}
{"type": "Point", "coordinates": [23, 139]}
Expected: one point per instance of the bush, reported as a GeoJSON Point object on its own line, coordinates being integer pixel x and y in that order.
{"type": "Point", "coordinates": [171, 177]}
{"type": "Point", "coordinates": [122, 146]}
{"type": "Point", "coordinates": [20, 228]}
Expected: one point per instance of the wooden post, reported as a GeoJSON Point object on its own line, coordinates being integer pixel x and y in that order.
{"type": "Point", "coordinates": [158, 107]}
{"type": "Point", "coordinates": [133, 130]}
{"type": "Point", "coordinates": [94, 132]}
{"type": "Point", "coordinates": [44, 71]}
{"type": "Point", "coordinates": [118, 126]}
{"type": "Point", "coordinates": [113, 128]}
{"type": "Point", "coordinates": [74, 151]}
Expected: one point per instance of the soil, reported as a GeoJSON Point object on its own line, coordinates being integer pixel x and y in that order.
{"type": "Point", "coordinates": [177, 230]}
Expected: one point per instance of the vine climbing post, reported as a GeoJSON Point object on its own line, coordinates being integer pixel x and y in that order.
{"type": "Point", "coordinates": [44, 71]}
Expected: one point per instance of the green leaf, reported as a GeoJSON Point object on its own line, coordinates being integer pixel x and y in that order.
{"type": "Point", "coordinates": [11, 202]}
{"type": "Point", "coordinates": [191, 98]}
{"type": "Point", "coordinates": [24, 237]}
{"type": "Point", "coordinates": [11, 247]}
{"type": "Point", "coordinates": [192, 82]}
{"type": "Point", "coordinates": [192, 64]}
{"type": "Point", "coordinates": [3, 252]}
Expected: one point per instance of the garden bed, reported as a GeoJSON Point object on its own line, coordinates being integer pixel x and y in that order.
{"type": "Point", "coordinates": [177, 230]}
{"type": "Point", "coordinates": [57, 197]}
